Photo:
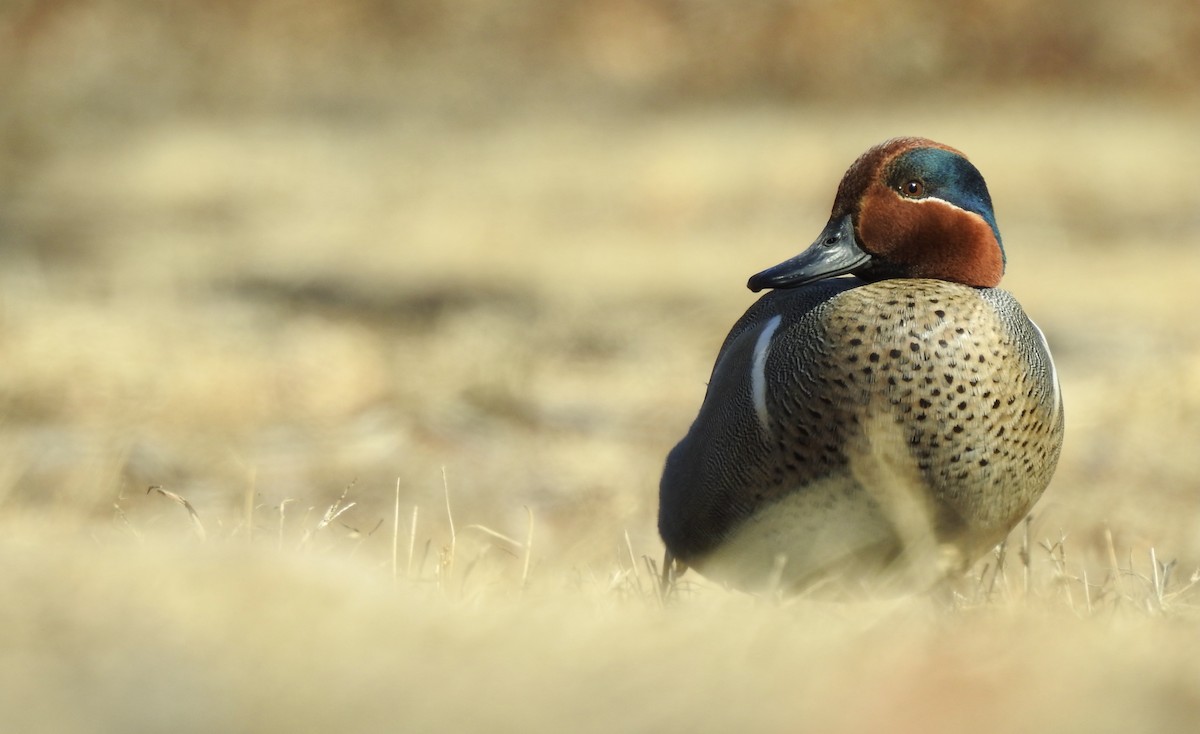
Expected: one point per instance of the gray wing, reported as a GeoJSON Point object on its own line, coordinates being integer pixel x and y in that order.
{"type": "Point", "coordinates": [710, 478]}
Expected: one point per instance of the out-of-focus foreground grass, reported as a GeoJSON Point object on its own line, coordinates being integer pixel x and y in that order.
{"type": "Point", "coordinates": [407, 301]}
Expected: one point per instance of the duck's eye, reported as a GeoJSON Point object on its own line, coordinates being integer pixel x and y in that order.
{"type": "Point", "coordinates": [913, 189]}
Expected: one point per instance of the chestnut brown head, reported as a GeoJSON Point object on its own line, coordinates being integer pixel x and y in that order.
{"type": "Point", "coordinates": [907, 208]}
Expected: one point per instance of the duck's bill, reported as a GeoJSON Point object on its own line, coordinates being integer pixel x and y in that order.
{"type": "Point", "coordinates": [834, 253]}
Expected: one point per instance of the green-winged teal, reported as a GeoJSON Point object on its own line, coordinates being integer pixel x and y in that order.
{"type": "Point", "coordinates": [877, 429]}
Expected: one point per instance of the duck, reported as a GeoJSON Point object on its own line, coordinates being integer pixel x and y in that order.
{"type": "Point", "coordinates": [884, 414]}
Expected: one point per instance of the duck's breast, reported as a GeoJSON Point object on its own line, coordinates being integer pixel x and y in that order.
{"type": "Point", "coordinates": [854, 406]}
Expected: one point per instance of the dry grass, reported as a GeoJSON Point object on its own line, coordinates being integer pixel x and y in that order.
{"type": "Point", "coordinates": [316, 418]}
{"type": "Point", "coordinates": [296, 334]}
{"type": "Point", "coordinates": [305, 627]}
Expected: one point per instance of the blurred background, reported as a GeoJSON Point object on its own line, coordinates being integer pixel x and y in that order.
{"type": "Point", "coordinates": [271, 252]}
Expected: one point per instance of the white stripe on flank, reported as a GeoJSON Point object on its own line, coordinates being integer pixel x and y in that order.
{"type": "Point", "coordinates": [758, 378]}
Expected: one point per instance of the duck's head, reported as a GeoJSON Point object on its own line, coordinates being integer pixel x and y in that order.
{"type": "Point", "coordinates": [907, 208]}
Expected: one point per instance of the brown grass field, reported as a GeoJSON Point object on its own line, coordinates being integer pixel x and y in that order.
{"type": "Point", "coordinates": [337, 375]}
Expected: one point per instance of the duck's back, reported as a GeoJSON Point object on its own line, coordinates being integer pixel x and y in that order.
{"type": "Point", "coordinates": [847, 422]}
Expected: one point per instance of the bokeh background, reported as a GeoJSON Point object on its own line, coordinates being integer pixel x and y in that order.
{"type": "Point", "coordinates": [284, 256]}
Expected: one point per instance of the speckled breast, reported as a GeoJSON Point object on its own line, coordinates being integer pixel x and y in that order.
{"type": "Point", "coordinates": [961, 372]}
{"type": "Point", "coordinates": [848, 425]}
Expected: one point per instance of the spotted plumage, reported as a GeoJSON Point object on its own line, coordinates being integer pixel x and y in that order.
{"type": "Point", "coordinates": [876, 429]}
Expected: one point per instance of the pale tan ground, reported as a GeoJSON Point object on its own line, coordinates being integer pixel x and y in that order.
{"type": "Point", "coordinates": [290, 312]}
{"type": "Point", "coordinates": [293, 320]}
